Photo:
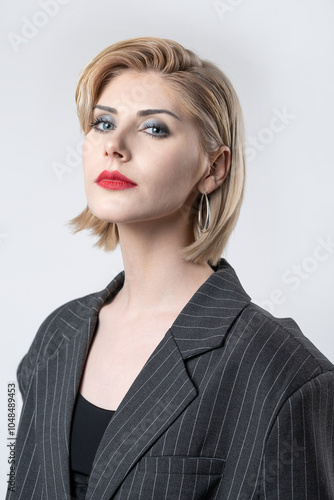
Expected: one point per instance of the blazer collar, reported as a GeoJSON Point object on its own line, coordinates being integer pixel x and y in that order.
{"type": "Point", "coordinates": [203, 322]}
{"type": "Point", "coordinates": [206, 318]}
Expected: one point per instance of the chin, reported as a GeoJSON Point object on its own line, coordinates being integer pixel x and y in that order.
{"type": "Point", "coordinates": [110, 214]}
{"type": "Point", "coordinates": [102, 213]}
{"type": "Point", "coordinates": [105, 210]}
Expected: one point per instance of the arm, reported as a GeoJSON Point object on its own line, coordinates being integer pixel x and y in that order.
{"type": "Point", "coordinates": [28, 481]}
{"type": "Point", "coordinates": [299, 454]}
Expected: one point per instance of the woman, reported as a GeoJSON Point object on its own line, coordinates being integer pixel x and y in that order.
{"type": "Point", "coordinates": [170, 383]}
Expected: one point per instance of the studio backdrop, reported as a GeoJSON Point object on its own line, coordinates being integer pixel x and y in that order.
{"type": "Point", "coordinates": [279, 57]}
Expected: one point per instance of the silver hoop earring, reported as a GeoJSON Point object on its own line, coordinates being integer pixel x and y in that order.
{"type": "Point", "coordinates": [204, 227]}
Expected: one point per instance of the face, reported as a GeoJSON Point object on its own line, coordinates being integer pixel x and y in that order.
{"type": "Point", "coordinates": [142, 156]}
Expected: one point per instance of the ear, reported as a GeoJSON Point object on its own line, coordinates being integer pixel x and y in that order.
{"type": "Point", "coordinates": [220, 162]}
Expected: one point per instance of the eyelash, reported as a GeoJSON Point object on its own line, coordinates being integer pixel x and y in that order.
{"type": "Point", "coordinates": [163, 128]}
{"type": "Point", "coordinates": [97, 121]}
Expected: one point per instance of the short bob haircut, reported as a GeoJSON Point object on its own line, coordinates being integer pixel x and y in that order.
{"type": "Point", "coordinates": [210, 99]}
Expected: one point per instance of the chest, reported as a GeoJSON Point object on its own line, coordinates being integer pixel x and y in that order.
{"type": "Point", "coordinates": [119, 350]}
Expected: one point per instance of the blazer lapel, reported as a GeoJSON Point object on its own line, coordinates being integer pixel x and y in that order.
{"type": "Point", "coordinates": [158, 395]}
{"type": "Point", "coordinates": [206, 319]}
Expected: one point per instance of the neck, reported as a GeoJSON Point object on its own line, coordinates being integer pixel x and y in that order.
{"type": "Point", "coordinates": [156, 276]}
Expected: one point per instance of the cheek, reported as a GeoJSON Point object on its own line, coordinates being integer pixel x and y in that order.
{"type": "Point", "coordinates": [91, 146]}
{"type": "Point", "coordinates": [187, 169]}
{"type": "Point", "coordinates": [91, 151]}
{"type": "Point", "coordinates": [178, 178]}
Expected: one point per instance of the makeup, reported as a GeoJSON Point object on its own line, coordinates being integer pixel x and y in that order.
{"type": "Point", "coordinates": [114, 180]}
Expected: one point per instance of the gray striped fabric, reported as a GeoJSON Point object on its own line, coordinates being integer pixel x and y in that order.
{"type": "Point", "coordinates": [233, 404]}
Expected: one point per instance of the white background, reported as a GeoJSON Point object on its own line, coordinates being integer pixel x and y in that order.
{"type": "Point", "coordinates": [278, 55]}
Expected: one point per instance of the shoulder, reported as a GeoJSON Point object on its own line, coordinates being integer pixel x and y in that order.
{"type": "Point", "coordinates": [62, 323]}
{"type": "Point", "coordinates": [273, 356]}
{"type": "Point", "coordinates": [283, 334]}
{"type": "Point", "coordinates": [279, 338]}
{"type": "Point", "coordinates": [49, 338]}
{"type": "Point", "coordinates": [71, 314]}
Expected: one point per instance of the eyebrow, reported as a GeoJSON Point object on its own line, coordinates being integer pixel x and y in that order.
{"type": "Point", "coordinates": [143, 112]}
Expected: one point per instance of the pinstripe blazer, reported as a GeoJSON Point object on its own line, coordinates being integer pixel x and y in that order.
{"type": "Point", "coordinates": [233, 404]}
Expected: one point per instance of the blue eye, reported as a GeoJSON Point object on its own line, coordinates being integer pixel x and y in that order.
{"type": "Point", "coordinates": [157, 130]}
{"type": "Point", "coordinates": [102, 125]}
{"type": "Point", "coordinates": [154, 129]}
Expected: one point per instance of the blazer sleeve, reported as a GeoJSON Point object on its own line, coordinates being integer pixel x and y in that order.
{"type": "Point", "coordinates": [298, 461]}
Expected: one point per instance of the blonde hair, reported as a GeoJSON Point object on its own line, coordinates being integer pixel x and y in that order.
{"type": "Point", "coordinates": [210, 99]}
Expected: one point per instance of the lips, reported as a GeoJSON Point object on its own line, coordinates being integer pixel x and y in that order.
{"type": "Point", "coordinates": [114, 180]}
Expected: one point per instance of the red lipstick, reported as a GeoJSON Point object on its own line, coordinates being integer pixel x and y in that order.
{"type": "Point", "coordinates": [114, 180]}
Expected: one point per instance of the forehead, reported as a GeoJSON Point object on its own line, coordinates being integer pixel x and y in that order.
{"type": "Point", "coordinates": [137, 89]}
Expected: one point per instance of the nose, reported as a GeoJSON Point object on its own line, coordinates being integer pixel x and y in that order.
{"type": "Point", "coordinates": [115, 147]}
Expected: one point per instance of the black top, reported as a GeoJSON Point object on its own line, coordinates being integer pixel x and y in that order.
{"type": "Point", "coordinates": [89, 423]}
